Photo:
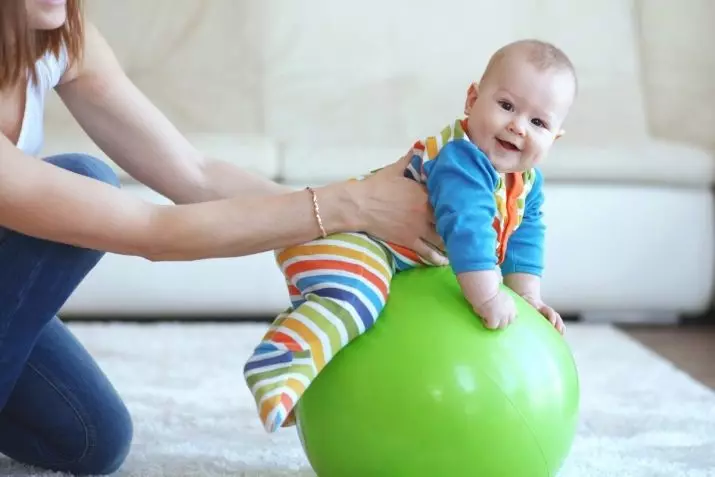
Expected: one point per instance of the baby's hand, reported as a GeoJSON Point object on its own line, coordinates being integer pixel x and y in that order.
{"type": "Point", "coordinates": [548, 313]}
{"type": "Point", "coordinates": [499, 312]}
{"type": "Point", "coordinates": [489, 301]}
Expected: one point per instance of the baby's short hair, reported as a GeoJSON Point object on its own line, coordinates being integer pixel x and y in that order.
{"type": "Point", "coordinates": [541, 54]}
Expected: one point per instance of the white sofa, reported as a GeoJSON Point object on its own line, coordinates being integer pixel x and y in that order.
{"type": "Point", "coordinates": [310, 92]}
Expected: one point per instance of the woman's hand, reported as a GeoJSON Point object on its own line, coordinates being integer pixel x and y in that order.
{"type": "Point", "coordinates": [396, 209]}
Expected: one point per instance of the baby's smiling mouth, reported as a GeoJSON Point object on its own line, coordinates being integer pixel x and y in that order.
{"type": "Point", "coordinates": [507, 145]}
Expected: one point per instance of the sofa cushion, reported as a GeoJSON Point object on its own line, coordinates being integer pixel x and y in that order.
{"type": "Point", "coordinates": [254, 153]}
{"type": "Point", "coordinates": [198, 61]}
{"type": "Point", "coordinates": [647, 162]}
{"type": "Point", "coordinates": [650, 162]}
{"type": "Point", "coordinates": [346, 74]}
{"type": "Point", "coordinates": [678, 79]}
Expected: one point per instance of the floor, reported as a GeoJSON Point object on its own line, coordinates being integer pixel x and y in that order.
{"type": "Point", "coordinates": [197, 419]}
{"type": "Point", "coordinates": [691, 347]}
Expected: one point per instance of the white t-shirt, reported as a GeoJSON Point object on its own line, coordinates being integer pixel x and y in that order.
{"type": "Point", "coordinates": [49, 72]}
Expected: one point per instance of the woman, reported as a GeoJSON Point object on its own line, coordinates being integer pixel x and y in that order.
{"type": "Point", "coordinates": [59, 215]}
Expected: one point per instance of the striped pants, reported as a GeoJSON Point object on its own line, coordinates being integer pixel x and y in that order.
{"type": "Point", "coordinates": [338, 286]}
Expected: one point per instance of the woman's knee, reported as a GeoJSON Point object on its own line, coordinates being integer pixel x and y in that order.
{"type": "Point", "coordinates": [85, 165]}
{"type": "Point", "coordinates": [108, 442]}
{"type": "Point", "coordinates": [112, 444]}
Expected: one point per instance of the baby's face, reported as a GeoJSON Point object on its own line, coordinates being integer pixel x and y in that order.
{"type": "Point", "coordinates": [518, 113]}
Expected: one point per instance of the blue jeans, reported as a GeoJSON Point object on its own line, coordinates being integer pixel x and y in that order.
{"type": "Point", "coordinates": [58, 411]}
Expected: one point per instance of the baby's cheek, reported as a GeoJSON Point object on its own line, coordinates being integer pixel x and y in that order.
{"type": "Point", "coordinates": [544, 142]}
{"type": "Point", "coordinates": [474, 127]}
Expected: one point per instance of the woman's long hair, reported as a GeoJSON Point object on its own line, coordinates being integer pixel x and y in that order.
{"type": "Point", "coordinates": [21, 47]}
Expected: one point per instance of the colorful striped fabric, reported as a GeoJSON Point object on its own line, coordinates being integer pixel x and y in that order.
{"type": "Point", "coordinates": [338, 286]}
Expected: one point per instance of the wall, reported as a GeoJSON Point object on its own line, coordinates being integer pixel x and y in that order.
{"type": "Point", "coordinates": [677, 42]}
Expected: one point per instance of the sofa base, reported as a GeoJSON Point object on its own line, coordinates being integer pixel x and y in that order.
{"type": "Point", "coordinates": [618, 250]}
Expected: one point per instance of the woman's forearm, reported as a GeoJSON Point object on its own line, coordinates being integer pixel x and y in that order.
{"type": "Point", "coordinates": [242, 226]}
{"type": "Point", "coordinates": [216, 179]}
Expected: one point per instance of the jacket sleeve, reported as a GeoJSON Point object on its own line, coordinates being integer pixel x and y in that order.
{"type": "Point", "coordinates": [461, 183]}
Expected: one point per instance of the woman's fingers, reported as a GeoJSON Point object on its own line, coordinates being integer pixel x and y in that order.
{"type": "Point", "coordinates": [429, 253]}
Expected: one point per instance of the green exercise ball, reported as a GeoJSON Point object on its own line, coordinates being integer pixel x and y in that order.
{"type": "Point", "coordinates": [429, 391]}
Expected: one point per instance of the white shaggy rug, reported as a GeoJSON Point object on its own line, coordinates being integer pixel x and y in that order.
{"type": "Point", "coordinates": [193, 416]}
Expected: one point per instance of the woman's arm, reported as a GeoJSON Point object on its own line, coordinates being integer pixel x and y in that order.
{"type": "Point", "coordinates": [141, 140]}
{"type": "Point", "coordinates": [45, 201]}
{"type": "Point", "coordinates": [119, 118]}
{"type": "Point", "coordinates": [42, 200]}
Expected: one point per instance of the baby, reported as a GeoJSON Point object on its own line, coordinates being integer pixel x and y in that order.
{"type": "Point", "coordinates": [487, 197]}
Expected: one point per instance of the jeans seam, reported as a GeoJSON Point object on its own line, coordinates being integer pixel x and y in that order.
{"type": "Point", "coordinates": [88, 431]}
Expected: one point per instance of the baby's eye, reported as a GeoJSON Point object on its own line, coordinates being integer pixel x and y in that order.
{"type": "Point", "coordinates": [539, 123]}
{"type": "Point", "coordinates": [506, 105]}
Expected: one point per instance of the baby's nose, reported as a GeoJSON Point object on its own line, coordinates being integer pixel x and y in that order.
{"type": "Point", "coordinates": [517, 127]}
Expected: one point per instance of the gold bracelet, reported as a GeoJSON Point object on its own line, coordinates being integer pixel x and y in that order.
{"type": "Point", "coordinates": [316, 211]}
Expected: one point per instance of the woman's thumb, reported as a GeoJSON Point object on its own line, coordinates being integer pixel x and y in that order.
{"type": "Point", "coordinates": [401, 164]}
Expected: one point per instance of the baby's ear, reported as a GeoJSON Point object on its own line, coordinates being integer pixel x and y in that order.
{"type": "Point", "coordinates": [472, 95]}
